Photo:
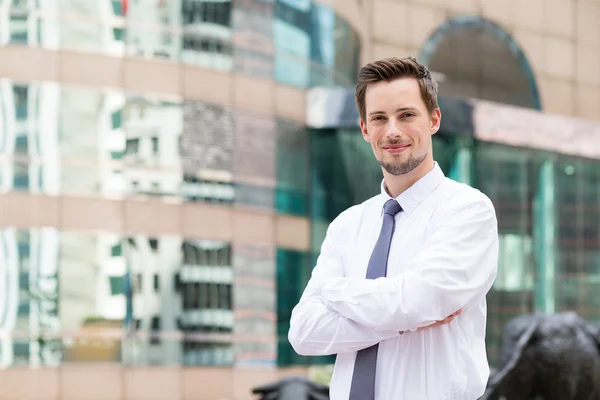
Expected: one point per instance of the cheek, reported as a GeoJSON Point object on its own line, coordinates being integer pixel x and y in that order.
{"type": "Point", "coordinates": [416, 135]}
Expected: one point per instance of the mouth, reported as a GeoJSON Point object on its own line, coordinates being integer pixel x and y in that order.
{"type": "Point", "coordinates": [396, 148]}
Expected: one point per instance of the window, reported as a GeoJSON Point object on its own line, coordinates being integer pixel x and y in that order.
{"type": "Point", "coordinates": [117, 6]}
{"type": "Point", "coordinates": [117, 286]}
{"type": "Point", "coordinates": [117, 119]}
{"type": "Point", "coordinates": [132, 146]}
{"type": "Point", "coordinates": [478, 59]}
{"type": "Point", "coordinates": [207, 35]}
{"type": "Point", "coordinates": [116, 250]}
{"type": "Point", "coordinates": [216, 12]}
{"type": "Point", "coordinates": [118, 34]}
{"type": "Point", "coordinates": [156, 285]}
{"type": "Point", "coordinates": [155, 330]}
{"type": "Point", "coordinates": [293, 272]}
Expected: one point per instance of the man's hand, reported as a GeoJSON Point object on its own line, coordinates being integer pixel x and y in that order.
{"type": "Point", "coordinates": [442, 322]}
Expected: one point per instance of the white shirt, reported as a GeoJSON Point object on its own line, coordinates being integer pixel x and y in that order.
{"type": "Point", "coordinates": [443, 258]}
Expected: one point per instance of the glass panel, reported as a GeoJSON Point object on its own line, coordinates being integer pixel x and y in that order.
{"type": "Point", "coordinates": [254, 160]}
{"type": "Point", "coordinates": [577, 183]}
{"type": "Point", "coordinates": [253, 37]}
{"type": "Point", "coordinates": [292, 42]}
{"type": "Point", "coordinates": [255, 305]}
{"type": "Point", "coordinates": [335, 49]}
{"type": "Point", "coordinates": [509, 177]}
{"type": "Point", "coordinates": [293, 155]}
{"type": "Point", "coordinates": [153, 29]}
{"type": "Point", "coordinates": [207, 33]}
{"type": "Point", "coordinates": [29, 293]}
{"type": "Point", "coordinates": [344, 177]}
{"type": "Point", "coordinates": [476, 59]}
{"type": "Point", "coordinates": [293, 272]}
{"type": "Point", "coordinates": [206, 150]}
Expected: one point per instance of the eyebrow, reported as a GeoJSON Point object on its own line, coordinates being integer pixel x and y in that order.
{"type": "Point", "coordinates": [401, 109]}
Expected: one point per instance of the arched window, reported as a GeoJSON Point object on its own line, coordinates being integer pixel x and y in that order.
{"type": "Point", "coordinates": [475, 58]}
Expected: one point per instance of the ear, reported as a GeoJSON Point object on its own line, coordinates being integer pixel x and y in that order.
{"type": "Point", "coordinates": [436, 119]}
{"type": "Point", "coordinates": [363, 130]}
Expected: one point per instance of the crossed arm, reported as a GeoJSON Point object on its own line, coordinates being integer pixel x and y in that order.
{"type": "Point", "coordinates": [458, 264]}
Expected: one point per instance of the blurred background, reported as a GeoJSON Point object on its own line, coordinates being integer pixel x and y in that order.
{"type": "Point", "coordinates": [168, 169]}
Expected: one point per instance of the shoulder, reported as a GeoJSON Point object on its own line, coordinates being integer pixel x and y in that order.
{"type": "Point", "coordinates": [459, 198]}
{"type": "Point", "coordinates": [460, 194]}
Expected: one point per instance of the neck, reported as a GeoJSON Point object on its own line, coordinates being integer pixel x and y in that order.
{"type": "Point", "coordinates": [397, 184]}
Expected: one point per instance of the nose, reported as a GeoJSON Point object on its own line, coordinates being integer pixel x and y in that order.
{"type": "Point", "coordinates": [393, 129]}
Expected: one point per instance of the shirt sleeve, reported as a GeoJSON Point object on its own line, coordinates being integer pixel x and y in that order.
{"type": "Point", "coordinates": [315, 328]}
{"type": "Point", "coordinates": [457, 265]}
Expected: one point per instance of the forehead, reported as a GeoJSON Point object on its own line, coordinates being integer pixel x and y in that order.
{"type": "Point", "coordinates": [397, 93]}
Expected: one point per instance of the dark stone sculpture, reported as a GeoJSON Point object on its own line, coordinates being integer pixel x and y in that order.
{"type": "Point", "coordinates": [549, 357]}
{"type": "Point", "coordinates": [292, 388]}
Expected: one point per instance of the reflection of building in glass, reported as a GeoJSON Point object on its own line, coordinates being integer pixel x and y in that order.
{"type": "Point", "coordinates": [206, 148]}
{"type": "Point", "coordinates": [152, 132]}
{"type": "Point", "coordinates": [152, 27]}
{"type": "Point", "coordinates": [207, 34]}
{"type": "Point", "coordinates": [29, 283]}
{"type": "Point", "coordinates": [29, 137]}
{"type": "Point", "coordinates": [21, 22]}
{"type": "Point", "coordinates": [205, 284]}
{"type": "Point", "coordinates": [29, 163]}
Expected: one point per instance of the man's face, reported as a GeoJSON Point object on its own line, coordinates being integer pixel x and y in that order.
{"type": "Point", "coordinates": [398, 125]}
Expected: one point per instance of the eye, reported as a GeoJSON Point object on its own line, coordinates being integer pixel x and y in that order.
{"type": "Point", "coordinates": [408, 115]}
{"type": "Point", "coordinates": [377, 118]}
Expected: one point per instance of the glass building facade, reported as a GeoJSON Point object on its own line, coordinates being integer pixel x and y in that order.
{"type": "Point", "coordinates": [295, 42]}
{"type": "Point", "coordinates": [109, 293]}
{"type": "Point", "coordinates": [104, 291]}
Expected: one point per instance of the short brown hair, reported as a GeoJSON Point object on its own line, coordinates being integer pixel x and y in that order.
{"type": "Point", "coordinates": [389, 69]}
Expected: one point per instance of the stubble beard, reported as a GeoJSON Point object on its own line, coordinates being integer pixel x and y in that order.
{"type": "Point", "coordinates": [404, 167]}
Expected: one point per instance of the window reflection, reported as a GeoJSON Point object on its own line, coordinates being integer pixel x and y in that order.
{"type": "Point", "coordinates": [252, 21]}
{"type": "Point", "coordinates": [89, 297]}
{"type": "Point", "coordinates": [255, 304]}
{"type": "Point", "coordinates": [151, 162]}
{"type": "Point", "coordinates": [292, 42]}
{"type": "Point", "coordinates": [206, 149]}
{"type": "Point", "coordinates": [207, 34]}
{"type": "Point", "coordinates": [293, 157]}
{"type": "Point", "coordinates": [29, 290]}
{"type": "Point", "coordinates": [296, 42]}
{"type": "Point", "coordinates": [28, 144]}
{"type": "Point", "coordinates": [254, 162]}
{"type": "Point", "coordinates": [74, 141]}
{"type": "Point", "coordinates": [152, 28]}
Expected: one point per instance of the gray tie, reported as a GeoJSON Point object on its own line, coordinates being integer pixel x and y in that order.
{"type": "Point", "coordinates": [363, 379]}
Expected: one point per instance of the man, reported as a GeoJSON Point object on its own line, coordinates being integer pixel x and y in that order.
{"type": "Point", "coordinates": [423, 250]}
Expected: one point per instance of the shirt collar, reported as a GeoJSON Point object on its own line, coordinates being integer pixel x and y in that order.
{"type": "Point", "coordinates": [414, 195]}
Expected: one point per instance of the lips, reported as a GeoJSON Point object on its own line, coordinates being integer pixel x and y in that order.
{"type": "Point", "coordinates": [396, 148]}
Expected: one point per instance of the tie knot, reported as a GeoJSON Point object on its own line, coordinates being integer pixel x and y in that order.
{"type": "Point", "coordinates": [392, 207]}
